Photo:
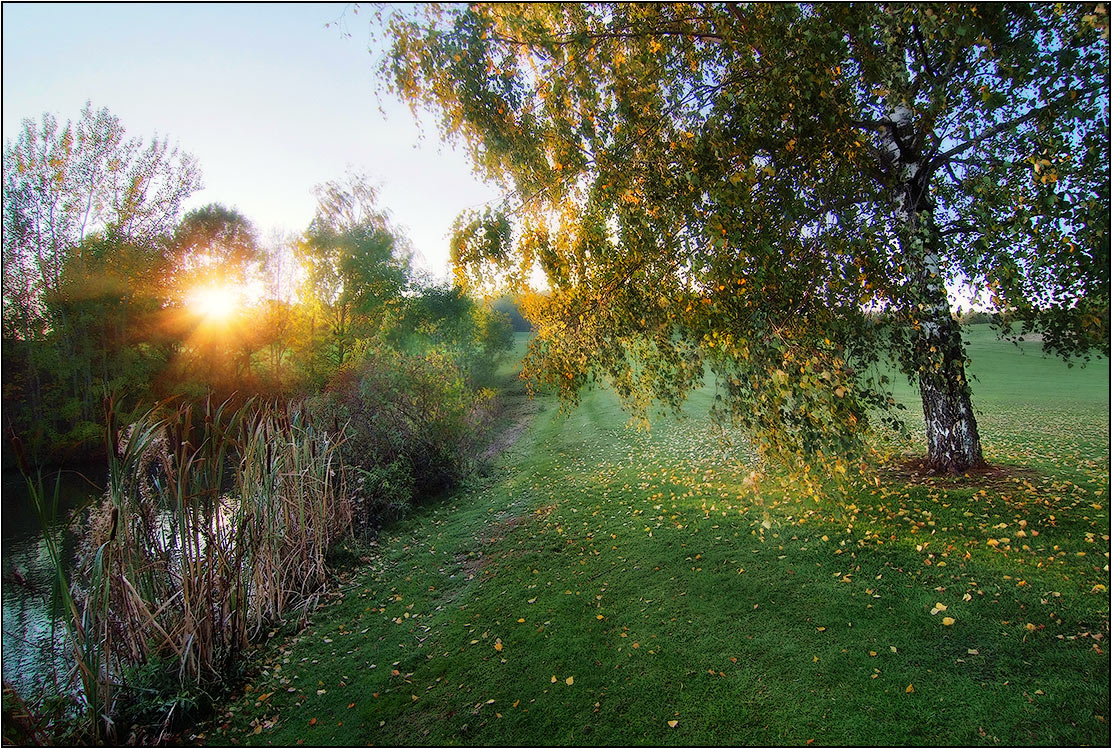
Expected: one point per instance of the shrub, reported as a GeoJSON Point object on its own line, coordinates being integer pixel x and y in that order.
{"type": "Point", "coordinates": [409, 424]}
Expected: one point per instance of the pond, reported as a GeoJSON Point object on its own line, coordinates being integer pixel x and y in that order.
{"type": "Point", "coordinates": [33, 645]}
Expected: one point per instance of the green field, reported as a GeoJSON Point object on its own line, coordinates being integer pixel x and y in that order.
{"type": "Point", "coordinates": [600, 585]}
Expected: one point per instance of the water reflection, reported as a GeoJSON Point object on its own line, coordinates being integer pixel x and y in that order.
{"type": "Point", "coordinates": [33, 647]}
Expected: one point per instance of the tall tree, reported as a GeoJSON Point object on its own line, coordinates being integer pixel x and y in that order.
{"type": "Point", "coordinates": [357, 265]}
{"type": "Point", "coordinates": [81, 202]}
{"type": "Point", "coordinates": [738, 186]}
{"type": "Point", "coordinates": [62, 184]}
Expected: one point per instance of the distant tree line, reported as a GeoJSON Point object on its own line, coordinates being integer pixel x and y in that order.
{"type": "Point", "coordinates": [109, 290]}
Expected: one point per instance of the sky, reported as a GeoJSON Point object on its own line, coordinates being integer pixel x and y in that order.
{"type": "Point", "coordinates": [268, 100]}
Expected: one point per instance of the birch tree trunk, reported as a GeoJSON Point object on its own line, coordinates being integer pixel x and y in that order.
{"type": "Point", "coordinates": [953, 442]}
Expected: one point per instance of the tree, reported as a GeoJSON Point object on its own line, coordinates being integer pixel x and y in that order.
{"type": "Point", "coordinates": [213, 245]}
{"type": "Point", "coordinates": [63, 184]}
{"type": "Point", "coordinates": [743, 187]}
{"type": "Point", "coordinates": [84, 206]}
{"type": "Point", "coordinates": [357, 265]}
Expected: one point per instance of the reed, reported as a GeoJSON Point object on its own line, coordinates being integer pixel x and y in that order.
{"type": "Point", "coordinates": [215, 524]}
{"type": "Point", "coordinates": [84, 638]}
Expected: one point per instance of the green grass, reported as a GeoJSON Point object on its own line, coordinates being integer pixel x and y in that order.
{"type": "Point", "coordinates": [642, 567]}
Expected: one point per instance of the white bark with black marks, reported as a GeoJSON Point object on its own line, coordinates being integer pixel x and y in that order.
{"type": "Point", "coordinates": [938, 353]}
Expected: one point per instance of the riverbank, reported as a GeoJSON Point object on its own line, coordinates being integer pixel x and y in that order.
{"type": "Point", "coordinates": [609, 586]}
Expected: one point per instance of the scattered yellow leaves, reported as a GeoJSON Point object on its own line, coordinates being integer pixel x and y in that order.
{"type": "Point", "coordinates": [938, 607]}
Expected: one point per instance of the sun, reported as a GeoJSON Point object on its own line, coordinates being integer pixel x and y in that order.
{"type": "Point", "coordinates": [215, 303]}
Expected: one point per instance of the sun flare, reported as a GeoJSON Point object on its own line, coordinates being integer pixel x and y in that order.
{"type": "Point", "coordinates": [216, 303]}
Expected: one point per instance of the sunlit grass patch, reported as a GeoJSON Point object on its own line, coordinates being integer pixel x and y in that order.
{"type": "Point", "coordinates": [609, 586]}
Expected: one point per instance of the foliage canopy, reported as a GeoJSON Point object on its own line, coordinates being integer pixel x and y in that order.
{"type": "Point", "coordinates": [737, 187]}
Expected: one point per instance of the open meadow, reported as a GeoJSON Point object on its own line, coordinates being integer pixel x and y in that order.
{"type": "Point", "coordinates": [600, 585]}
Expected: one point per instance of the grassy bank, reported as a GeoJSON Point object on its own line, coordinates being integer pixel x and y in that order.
{"type": "Point", "coordinates": [607, 586]}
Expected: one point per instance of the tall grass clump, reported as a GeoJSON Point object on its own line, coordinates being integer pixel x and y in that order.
{"type": "Point", "coordinates": [216, 522]}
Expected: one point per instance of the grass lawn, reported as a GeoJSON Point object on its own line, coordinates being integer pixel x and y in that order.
{"type": "Point", "coordinates": [601, 585]}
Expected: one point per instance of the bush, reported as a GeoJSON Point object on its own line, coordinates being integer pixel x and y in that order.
{"type": "Point", "coordinates": [409, 424]}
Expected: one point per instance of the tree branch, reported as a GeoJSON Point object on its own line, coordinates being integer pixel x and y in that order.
{"type": "Point", "coordinates": [1002, 127]}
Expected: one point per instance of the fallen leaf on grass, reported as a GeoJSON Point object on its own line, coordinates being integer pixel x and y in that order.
{"type": "Point", "coordinates": [947, 621]}
{"type": "Point", "coordinates": [570, 680]}
{"type": "Point", "coordinates": [312, 721]}
{"type": "Point", "coordinates": [554, 678]}
{"type": "Point", "coordinates": [910, 688]}
{"type": "Point", "coordinates": [938, 607]}
{"type": "Point", "coordinates": [673, 723]}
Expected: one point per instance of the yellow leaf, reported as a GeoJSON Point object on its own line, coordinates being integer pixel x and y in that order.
{"type": "Point", "coordinates": [570, 680]}
{"type": "Point", "coordinates": [673, 723]}
{"type": "Point", "coordinates": [599, 616]}
{"type": "Point", "coordinates": [910, 688]}
{"type": "Point", "coordinates": [553, 679]}
{"type": "Point", "coordinates": [1030, 627]}
{"type": "Point", "coordinates": [947, 621]}
{"type": "Point", "coordinates": [498, 646]}
{"type": "Point", "coordinates": [520, 621]}
{"type": "Point", "coordinates": [872, 654]}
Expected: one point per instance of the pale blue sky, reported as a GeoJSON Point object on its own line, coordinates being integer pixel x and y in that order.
{"type": "Point", "coordinates": [268, 100]}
